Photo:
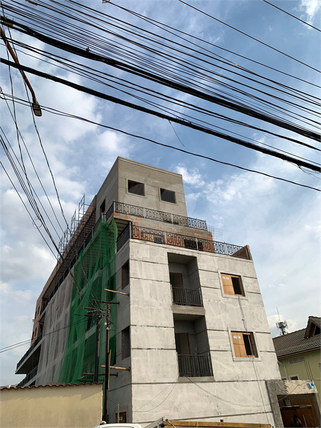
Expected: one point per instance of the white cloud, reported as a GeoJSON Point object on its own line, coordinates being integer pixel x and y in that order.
{"type": "Point", "coordinates": [21, 296]}
{"type": "Point", "coordinates": [192, 177]}
{"type": "Point", "coordinates": [311, 8]}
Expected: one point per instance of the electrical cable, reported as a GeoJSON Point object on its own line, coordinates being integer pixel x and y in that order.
{"type": "Point", "coordinates": [163, 116]}
{"type": "Point", "coordinates": [293, 16]}
{"type": "Point", "coordinates": [54, 111]}
{"type": "Point", "coordinates": [26, 208]}
{"type": "Point", "coordinates": [251, 37]}
{"type": "Point", "coordinates": [168, 27]}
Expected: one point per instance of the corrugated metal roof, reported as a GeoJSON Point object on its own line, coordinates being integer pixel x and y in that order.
{"type": "Point", "coordinates": [298, 341]}
{"type": "Point", "coordinates": [52, 385]}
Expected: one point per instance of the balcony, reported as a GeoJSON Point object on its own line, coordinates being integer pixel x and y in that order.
{"type": "Point", "coordinates": [30, 358]}
{"type": "Point", "coordinates": [195, 365]}
{"type": "Point", "coordinates": [187, 297]}
{"type": "Point", "coordinates": [147, 213]}
{"type": "Point", "coordinates": [184, 241]}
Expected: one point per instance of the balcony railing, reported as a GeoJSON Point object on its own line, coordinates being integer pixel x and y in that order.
{"type": "Point", "coordinates": [195, 365]}
{"type": "Point", "coordinates": [182, 296]}
{"type": "Point", "coordinates": [190, 242]}
{"type": "Point", "coordinates": [122, 208]}
{"type": "Point", "coordinates": [32, 347]}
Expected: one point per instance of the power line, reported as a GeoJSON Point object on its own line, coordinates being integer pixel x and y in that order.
{"type": "Point", "coordinates": [26, 208]}
{"type": "Point", "coordinates": [162, 26]}
{"type": "Point", "coordinates": [293, 16]}
{"type": "Point", "coordinates": [251, 37]}
{"type": "Point", "coordinates": [171, 118]}
{"type": "Point", "coordinates": [54, 111]}
{"type": "Point", "coordinates": [169, 83]}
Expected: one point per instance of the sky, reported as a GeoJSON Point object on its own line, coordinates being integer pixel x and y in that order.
{"type": "Point", "coordinates": [278, 220]}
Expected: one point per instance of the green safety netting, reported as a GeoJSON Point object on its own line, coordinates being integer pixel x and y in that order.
{"type": "Point", "coordinates": [94, 270]}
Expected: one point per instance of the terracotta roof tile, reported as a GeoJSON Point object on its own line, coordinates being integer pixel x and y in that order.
{"type": "Point", "coordinates": [52, 385]}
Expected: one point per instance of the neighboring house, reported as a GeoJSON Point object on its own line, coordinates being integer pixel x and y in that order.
{"type": "Point", "coordinates": [299, 353]}
{"type": "Point", "coordinates": [187, 323]}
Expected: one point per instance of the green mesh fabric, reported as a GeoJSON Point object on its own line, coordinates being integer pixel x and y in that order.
{"type": "Point", "coordinates": [93, 271]}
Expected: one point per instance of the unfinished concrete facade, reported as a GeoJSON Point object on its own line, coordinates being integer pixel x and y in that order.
{"type": "Point", "coordinates": [192, 329]}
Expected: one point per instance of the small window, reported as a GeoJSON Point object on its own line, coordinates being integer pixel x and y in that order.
{"type": "Point", "coordinates": [125, 275]}
{"type": "Point", "coordinates": [168, 196]}
{"type": "Point", "coordinates": [136, 188]}
{"type": "Point", "coordinates": [232, 284]}
{"type": "Point", "coordinates": [125, 343]}
{"type": "Point", "coordinates": [243, 344]}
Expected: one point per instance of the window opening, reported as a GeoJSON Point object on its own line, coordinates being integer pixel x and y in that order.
{"type": "Point", "coordinates": [232, 284]}
{"type": "Point", "coordinates": [125, 339]}
{"type": "Point", "coordinates": [125, 275]}
{"type": "Point", "coordinates": [243, 344]}
{"type": "Point", "coordinates": [103, 207]}
{"type": "Point", "coordinates": [136, 188]}
{"type": "Point", "coordinates": [168, 196]}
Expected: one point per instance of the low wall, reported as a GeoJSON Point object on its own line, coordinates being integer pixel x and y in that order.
{"type": "Point", "coordinates": [56, 406]}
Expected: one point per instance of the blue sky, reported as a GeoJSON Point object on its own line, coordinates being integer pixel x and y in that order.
{"type": "Point", "coordinates": [280, 221]}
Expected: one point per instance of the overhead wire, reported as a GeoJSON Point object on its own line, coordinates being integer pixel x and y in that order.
{"type": "Point", "coordinates": [293, 16]}
{"type": "Point", "coordinates": [13, 185]}
{"type": "Point", "coordinates": [176, 32]}
{"type": "Point", "coordinates": [251, 37]}
{"type": "Point", "coordinates": [189, 124]}
{"type": "Point", "coordinates": [58, 112]}
{"type": "Point", "coordinates": [91, 72]}
{"type": "Point", "coordinates": [157, 79]}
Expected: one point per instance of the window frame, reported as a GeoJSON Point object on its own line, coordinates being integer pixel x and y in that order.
{"type": "Point", "coordinates": [247, 357]}
{"type": "Point", "coordinates": [241, 285]}
{"type": "Point", "coordinates": [161, 190]}
{"type": "Point", "coordinates": [133, 193]}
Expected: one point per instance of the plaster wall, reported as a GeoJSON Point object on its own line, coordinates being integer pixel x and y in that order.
{"type": "Point", "coordinates": [237, 384]}
{"type": "Point", "coordinates": [154, 179]}
{"type": "Point", "coordinates": [202, 399]}
{"type": "Point", "coordinates": [108, 192]}
{"type": "Point", "coordinates": [51, 407]}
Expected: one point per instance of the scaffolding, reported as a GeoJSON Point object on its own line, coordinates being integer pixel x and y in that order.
{"type": "Point", "coordinates": [94, 270]}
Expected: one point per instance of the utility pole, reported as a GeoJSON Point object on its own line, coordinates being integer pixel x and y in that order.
{"type": "Point", "coordinates": [107, 365]}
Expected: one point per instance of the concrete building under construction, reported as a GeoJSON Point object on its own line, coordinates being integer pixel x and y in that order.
{"type": "Point", "coordinates": [188, 333]}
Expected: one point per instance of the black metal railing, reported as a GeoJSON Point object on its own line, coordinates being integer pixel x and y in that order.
{"type": "Point", "coordinates": [29, 376]}
{"type": "Point", "coordinates": [190, 242]}
{"type": "Point", "coordinates": [122, 208]}
{"type": "Point", "coordinates": [32, 347]}
{"type": "Point", "coordinates": [195, 365]}
{"type": "Point", "coordinates": [182, 296]}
